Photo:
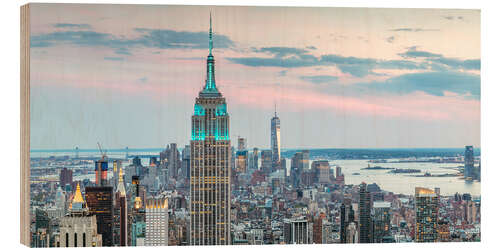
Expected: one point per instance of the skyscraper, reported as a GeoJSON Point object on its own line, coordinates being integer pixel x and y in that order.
{"type": "Point", "coordinates": [321, 171]}
{"type": "Point", "coordinates": [79, 228]}
{"type": "Point", "coordinates": [469, 162]}
{"type": "Point", "coordinates": [101, 172]}
{"type": "Point", "coordinates": [157, 222]}
{"type": "Point", "coordinates": [275, 140]}
{"type": "Point", "coordinates": [381, 221]}
{"type": "Point", "coordinates": [266, 161]}
{"type": "Point", "coordinates": [346, 218]}
{"type": "Point", "coordinates": [255, 157]}
{"type": "Point", "coordinates": [100, 203]}
{"type": "Point", "coordinates": [426, 215]}
{"type": "Point", "coordinates": [296, 231]}
{"type": "Point", "coordinates": [242, 145]}
{"type": "Point", "coordinates": [65, 177]}
{"type": "Point", "coordinates": [121, 205]}
{"type": "Point", "coordinates": [210, 158]}
{"type": "Point", "coordinates": [365, 221]}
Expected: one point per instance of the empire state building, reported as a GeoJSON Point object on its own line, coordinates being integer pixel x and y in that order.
{"type": "Point", "coordinates": [210, 170]}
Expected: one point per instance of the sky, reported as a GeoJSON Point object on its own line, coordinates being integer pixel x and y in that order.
{"type": "Point", "coordinates": [128, 75]}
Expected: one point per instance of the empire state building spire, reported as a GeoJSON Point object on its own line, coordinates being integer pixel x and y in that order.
{"type": "Point", "coordinates": [210, 89]}
{"type": "Point", "coordinates": [210, 41]}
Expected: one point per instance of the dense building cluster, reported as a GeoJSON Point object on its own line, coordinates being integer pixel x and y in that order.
{"type": "Point", "coordinates": [210, 193]}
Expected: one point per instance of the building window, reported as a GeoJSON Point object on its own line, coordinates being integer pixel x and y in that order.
{"type": "Point", "coordinates": [76, 240]}
{"type": "Point", "coordinates": [84, 239]}
{"type": "Point", "coordinates": [67, 239]}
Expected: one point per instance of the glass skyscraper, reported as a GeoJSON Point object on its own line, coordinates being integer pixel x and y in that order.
{"type": "Point", "coordinates": [426, 215]}
{"type": "Point", "coordinates": [210, 158]}
{"type": "Point", "coordinates": [275, 140]}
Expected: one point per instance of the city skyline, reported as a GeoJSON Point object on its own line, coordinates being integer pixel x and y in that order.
{"type": "Point", "coordinates": [332, 89]}
{"type": "Point", "coordinates": [122, 77]}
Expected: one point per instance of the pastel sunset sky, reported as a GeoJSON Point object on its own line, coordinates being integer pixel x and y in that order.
{"type": "Point", "coordinates": [128, 75]}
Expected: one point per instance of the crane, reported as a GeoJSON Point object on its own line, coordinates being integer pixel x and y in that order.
{"type": "Point", "coordinates": [103, 153]}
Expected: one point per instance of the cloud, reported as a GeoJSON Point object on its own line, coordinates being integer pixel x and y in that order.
{"type": "Point", "coordinates": [72, 25]}
{"type": "Point", "coordinates": [390, 39]}
{"type": "Point", "coordinates": [413, 53]}
{"type": "Point", "coordinates": [165, 39]}
{"type": "Point", "coordinates": [319, 79]}
{"type": "Point", "coordinates": [473, 64]}
{"type": "Point", "coordinates": [433, 83]}
{"type": "Point", "coordinates": [282, 73]}
{"type": "Point", "coordinates": [149, 38]}
{"type": "Point", "coordinates": [287, 57]}
{"type": "Point", "coordinates": [281, 51]}
{"type": "Point", "coordinates": [123, 51]}
{"type": "Point", "coordinates": [143, 79]}
{"type": "Point", "coordinates": [442, 61]}
{"type": "Point", "coordinates": [80, 38]}
{"type": "Point", "coordinates": [110, 58]}
{"type": "Point", "coordinates": [413, 30]}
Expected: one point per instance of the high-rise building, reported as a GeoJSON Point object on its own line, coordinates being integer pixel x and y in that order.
{"type": "Point", "coordinates": [352, 234]}
{"type": "Point", "coordinates": [338, 172]}
{"type": "Point", "coordinates": [296, 231]}
{"type": "Point", "coordinates": [241, 161]}
{"type": "Point", "coordinates": [101, 172]}
{"type": "Point", "coordinates": [300, 163]}
{"type": "Point", "coordinates": [266, 161]}
{"type": "Point", "coordinates": [185, 165]}
{"type": "Point", "coordinates": [138, 227]}
{"type": "Point", "coordinates": [381, 221]}
{"type": "Point", "coordinates": [61, 200]}
{"type": "Point", "coordinates": [242, 144]}
{"type": "Point", "coordinates": [122, 214]}
{"type": "Point", "coordinates": [100, 203]}
{"type": "Point", "coordinates": [469, 162]}
{"type": "Point", "coordinates": [157, 222]}
{"type": "Point", "coordinates": [321, 171]}
{"type": "Point", "coordinates": [275, 140]}
{"type": "Point", "coordinates": [255, 156]}
{"type": "Point", "coordinates": [443, 231]}
{"type": "Point", "coordinates": [65, 177]}
{"type": "Point", "coordinates": [320, 229]}
{"type": "Point", "coordinates": [210, 186]}
{"type": "Point", "coordinates": [365, 221]}
{"type": "Point", "coordinates": [117, 165]}
{"type": "Point", "coordinates": [346, 217]}
{"type": "Point", "coordinates": [79, 228]}
{"type": "Point", "coordinates": [426, 215]}
{"type": "Point", "coordinates": [470, 211]}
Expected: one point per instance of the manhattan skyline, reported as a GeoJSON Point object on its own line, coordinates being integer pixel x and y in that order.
{"type": "Point", "coordinates": [340, 77]}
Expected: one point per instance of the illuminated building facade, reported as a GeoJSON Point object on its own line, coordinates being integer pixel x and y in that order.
{"type": "Point", "coordinates": [210, 164]}
{"type": "Point", "coordinates": [381, 221]}
{"type": "Point", "coordinates": [100, 203]}
{"type": "Point", "coordinates": [426, 215]}
{"type": "Point", "coordinates": [365, 221]}
{"type": "Point", "coordinates": [156, 222]}
{"type": "Point", "coordinates": [79, 228]}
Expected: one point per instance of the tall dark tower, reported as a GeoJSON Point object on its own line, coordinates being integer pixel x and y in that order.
{"type": "Point", "coordinates": [468, 162]}
{"type": "Point", "coordinates": [210, 158]}
{"type": "Point", "coordinates": [275, 140]}
{"type": "Point", "coordinates": [365, 221]}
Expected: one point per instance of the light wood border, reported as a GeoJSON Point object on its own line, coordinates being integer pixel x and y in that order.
{"type": "Point", "coordinates": [25, 125]}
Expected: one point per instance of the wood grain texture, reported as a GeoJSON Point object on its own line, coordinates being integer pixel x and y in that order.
{"type": "Point", "coordinates": [25, 125]}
